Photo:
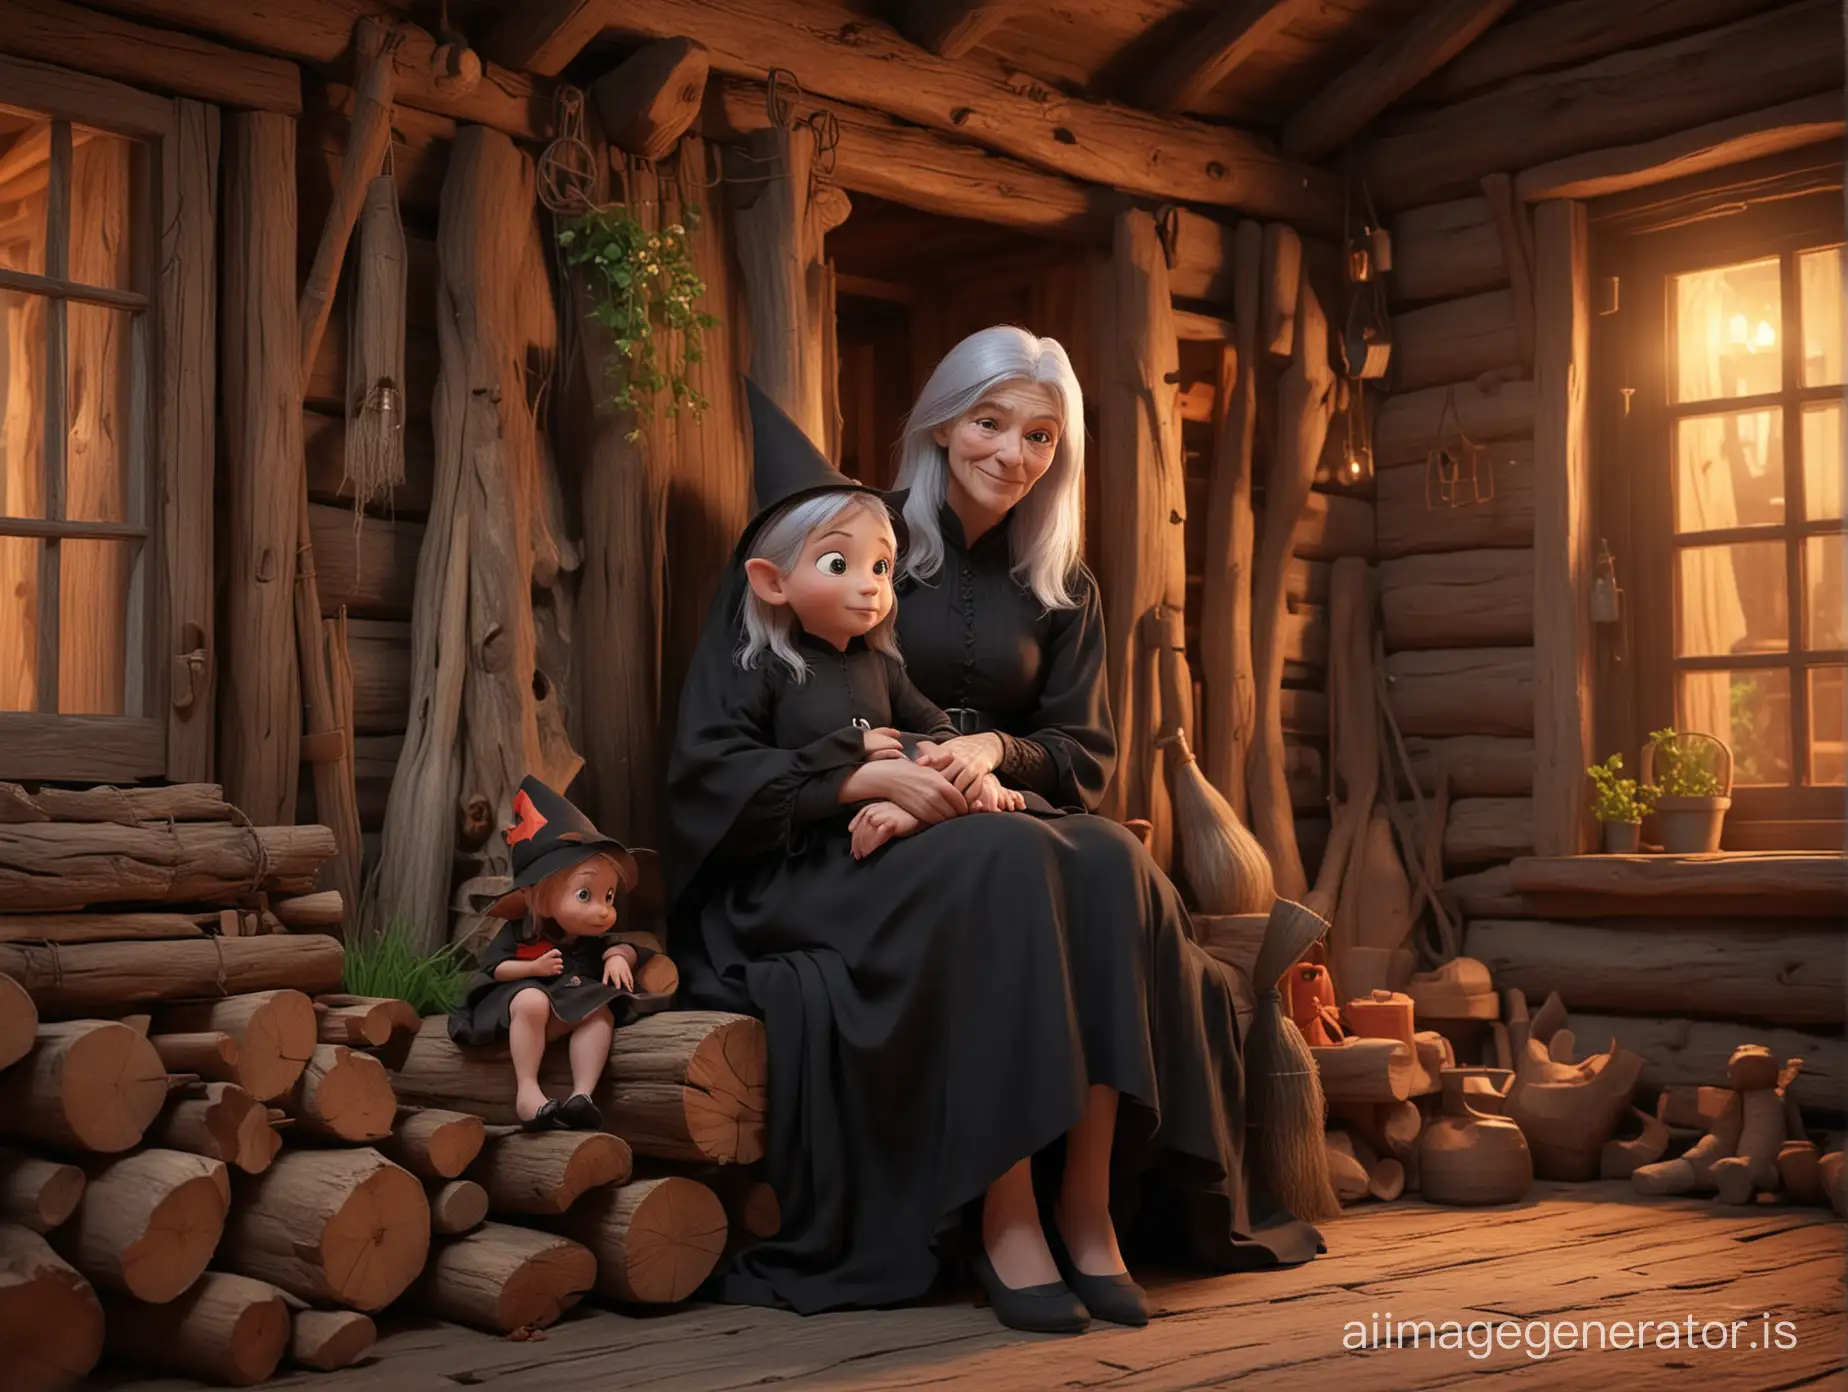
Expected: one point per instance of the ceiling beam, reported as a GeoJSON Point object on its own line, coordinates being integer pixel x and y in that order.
{"type": "Point", "coordinates": [836, 53]}
{"type": "Point", "coordinates": [1180, 79]}
{"type": "Point", "coordinates": [950, 28]}
{"type": "Point", "coordinates": [1387, 73]}
{"type": "Point", "coordinates": [543, 36]}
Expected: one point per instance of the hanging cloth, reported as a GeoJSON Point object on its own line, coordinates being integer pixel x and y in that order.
{"type": "Point", "coordinates": [375, 349]}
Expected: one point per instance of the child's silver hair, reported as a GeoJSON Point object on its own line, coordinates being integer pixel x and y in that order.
{"type": "Point", "coordinates": [1046, 536]}
{"type": "Point", "coordinates": [771, 628]}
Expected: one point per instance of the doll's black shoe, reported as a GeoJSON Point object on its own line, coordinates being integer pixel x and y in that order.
{"type": "Point", "coordinates": [1047, 1309]}
{"type": "Point", "coordinates": [545, 1119]}
{"type": "Point", "coordinates": [578, 1113]}
{"type": "Point", "coordinates": [1115, 1298]}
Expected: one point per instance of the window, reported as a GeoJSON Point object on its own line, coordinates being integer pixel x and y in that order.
{"type": "Point", "coordinates": [1732, 435]}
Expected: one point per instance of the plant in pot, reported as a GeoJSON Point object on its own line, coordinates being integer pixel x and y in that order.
{"type": "Point", "coordinates": [1691, 774]}
{"type": "Point", "coordinates": [1620, 805]}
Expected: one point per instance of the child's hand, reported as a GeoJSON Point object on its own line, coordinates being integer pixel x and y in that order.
{"type": "Point", "coordinates": [548, 964]}
{"type": "Point", "coordinates": [989, 795]}
{"type": "Point", "coordinates": [882, 743]}
{"type": "Point", "coordinates": [617, 972]}
{"type": "Point", "coordinates": [877, 823]}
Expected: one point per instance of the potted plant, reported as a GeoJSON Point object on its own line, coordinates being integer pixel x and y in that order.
{"type": "Point", "coordinates": [1620, 805]}
{"type": "Point", "coordinates": [1692, 777]}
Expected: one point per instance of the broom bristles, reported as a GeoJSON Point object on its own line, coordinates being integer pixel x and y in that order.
{"type": "Point", "coordinates": [375, 352]}
{"type": "Point", "coordinates": [1288, 1114]}
{"type": "Point", "coordinates": [1222, 862]}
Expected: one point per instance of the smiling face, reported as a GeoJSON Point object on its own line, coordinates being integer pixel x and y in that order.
{"type": "Point", "coordinates": [840, 587]}
{"type": "Point", "coordinates": [581, 900]}
{"type": "Point", "coordinates": [999, 448]}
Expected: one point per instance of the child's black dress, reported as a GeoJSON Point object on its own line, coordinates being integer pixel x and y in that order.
{"type": "Point", "coordinates": [576, 992]}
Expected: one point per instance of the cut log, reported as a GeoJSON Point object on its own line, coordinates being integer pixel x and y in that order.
{"type": "Point", "coordinates": [35, 1193]}
{"type": "Point", "coordinates": [1480, 691]}
{"type": "Point", "coordinates": [1413, 519]}
{"type": "Point", "coordinates": [342, 1226]}
{"type": "Point", "coordinates": [209, 1054]}
{"type": "Point", "coordinates": [456, 1207]}
{"type": "Point", "coordinates": [107, 978]}
{"type": "Point", "coordinates": [343, 1094]}
{"type": "Point", "coordinates": [18, 1022]}
{"type": "Point", "coordinates": [147, 1223]}
{"type": "Point", "coordinates": [656, 1240]}
{"type": "Point", "coordinates": [751, 1206]}
{"type": "Point", "coordinates": [1366, 1070]}
{"type": "Point", "coordinates": [58, 866]}
{"type": "Point", "coordinates": [227, 1329]}
{"type": "Point", "coordinates": [274, 1032]}
{"type": "Point", "coordinates": [1773, 56]}
{"type": "Point", "coordinates": [547, 1172]}
{"type": "Point", "coordinates": [1752, 884]}
{"type": "Point", "coordinates": [183, 802]}
{"type": "Point", "coordinates": [648, 101]}
{"type": "Point", "coordinates": [1678, 1052]}
{"type": "Point", "coordinates": [1486, 894]}
{"type": "Point", "coordinates": [682, 1085]}
{"type": "Point", "coordinates": [222, 1122]}
{"type": "Point", "coordinates": [51, 1323]}
{"type": "Point", "coordinates": [1444, 251]}
{"type": "Point", "coordinates": [1454, 341]}
{"type": "Point", "coordinates": [1407, 426]}
{"type": "Point", "coordinates": [370, 569]}
{"type": "Point", "coordinates": [434, 1143]}
{"type": "Point", "coordinates": [89, 1085]}
{"type": "Point", "coordinates": [328, 1340]}
{"type": "Point", "coordinates": [380, 652]}
{"type": "Point", "coordinates": [502, 1278]}
{"type": "Point", "coordinates": [1792, 975]}
{"type": "Point", "coordinates": [101, 927]}
{"type": "Point", "coordinates": [1459, 599]}
{"type": "Point", "coordinates": [1482, 830]}
{"type": "Point", "coordinates": [1476, 765]}
{"type": "Point", "coordinates": [321, 910]}
{"type": "Point", "coordinates": [364, 1021]}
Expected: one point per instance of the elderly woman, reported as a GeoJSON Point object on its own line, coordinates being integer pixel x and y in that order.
{"type": "Point", "coordinates": [995, 988]}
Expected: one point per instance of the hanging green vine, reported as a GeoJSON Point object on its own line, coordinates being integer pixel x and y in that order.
{"type": "Point", "coordinates": [641, 284]}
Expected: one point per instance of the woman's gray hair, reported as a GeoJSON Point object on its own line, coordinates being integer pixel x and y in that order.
{"type": "Point", "coordinates": [1046, 535]}
{"type": "Point", "coordinates": [771, 628]}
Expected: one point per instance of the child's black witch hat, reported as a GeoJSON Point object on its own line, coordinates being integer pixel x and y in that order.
{"type": "Point", "coordinates": [786, 467]}
{"type": "Point", "coordinates": [551, 835]}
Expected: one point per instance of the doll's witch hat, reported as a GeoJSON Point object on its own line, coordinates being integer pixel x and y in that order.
{"type": "Point", "coordinates": [551, 835]}
{"type": "Point", "coordinates": [786, 467]}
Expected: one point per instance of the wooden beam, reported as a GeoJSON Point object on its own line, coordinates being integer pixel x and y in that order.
{"type": "Point", "coordinates": [1407, 425]}
{"type": "Point", "coordinates": [840, 54]}
{"type": "Point", "coordinates": [1807, 121]}
{"type": "Point", "coordinates": [1516, 236]}
{"type": "Point", "coordinates": [1562, 531]}
{"type": "Point", "coordinates": [950, 28]}
{"type": "Point", "coordinates": [1455, 340]}
{"type": "Point", "coordinates": [1639, 94]}
{"type": "Point", "coordinates": [320, 33]}
{"type": "Point", "coordinates": [1180, 79]}
{"type": "Point", "coordinates": [1458, 599]}
{"type": "Point", "coordinates": [543, 38]}
{"type": "Point", "coordinates": [1442, 251]}
{"type": "Point", "coordinates": [74, 37]}
{"type": "Point", "coordinates": [1388, 72]}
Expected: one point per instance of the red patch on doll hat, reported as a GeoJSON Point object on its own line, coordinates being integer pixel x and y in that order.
{"type": "Point", "coordinates": [551, 835]}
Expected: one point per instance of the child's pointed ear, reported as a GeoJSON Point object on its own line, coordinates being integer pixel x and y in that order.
{"type": "Point", "coordinates": [766, 580]}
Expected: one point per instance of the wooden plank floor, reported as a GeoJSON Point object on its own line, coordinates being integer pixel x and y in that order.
{"type": "Point", "coordinates": [1570, 1254]}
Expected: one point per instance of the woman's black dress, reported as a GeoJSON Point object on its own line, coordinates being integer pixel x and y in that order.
{"type": "Point", "coordinates": [936, 1012]}
{"type": "Point", "coordinates": [576, 992]}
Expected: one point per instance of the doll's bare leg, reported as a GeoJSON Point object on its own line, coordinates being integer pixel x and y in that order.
{"type": "Point", "coordinates": [1011, 1232]}
{"type": "Point", "coordinates": [529, 1016]}
{"type": "Point", "coordinates": [1084, 1196]}
{"type": "Point", "coordinates": [590, 1049]}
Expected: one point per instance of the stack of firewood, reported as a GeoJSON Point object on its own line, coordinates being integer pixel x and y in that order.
{"type": "Point", "coordinates": [207, 1163]}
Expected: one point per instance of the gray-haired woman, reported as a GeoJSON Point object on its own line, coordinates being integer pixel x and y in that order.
{"type": "Point", "coordinates": [985, 992]}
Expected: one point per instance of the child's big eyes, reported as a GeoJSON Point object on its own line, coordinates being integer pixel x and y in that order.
{"type": "Point", "coordinates": [833, 563]}
{"type": "Point", "coordinates": [882, 567]}
{"type": "Point", "coordinates": [583, 896]}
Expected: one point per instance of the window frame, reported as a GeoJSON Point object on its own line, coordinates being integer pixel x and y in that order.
{"type": "Point", "coordinates": [1635, 490]}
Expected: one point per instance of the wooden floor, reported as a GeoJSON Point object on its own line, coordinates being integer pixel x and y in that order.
{"type": "Point", "coordinates": [1572, 1253]}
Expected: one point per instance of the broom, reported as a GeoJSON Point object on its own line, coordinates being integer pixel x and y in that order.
{"type": "Point", "coordinates": [1286, 1109]}
{"type": "Point", "coordinates": [375, 350]}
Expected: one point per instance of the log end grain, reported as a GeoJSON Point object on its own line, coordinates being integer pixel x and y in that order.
{"type": "Point", "coordinates": [726, 1084]}
{"type": "Point", "coordinates": [656, 1240]}
{"type": "Point", "coordinates": [89, 1084]}
{"type": "Point", "coordinates": [18, 1022]}
{"type": "Point", "coordinates": [344, 1094]}
{"type": "Point", "coordinates": [222, 1121]}
{"type": "Point", "coordinates": [226, 1329]}
{"type": "Point", "coordinates": [35, 1193]}
{"type": "Point", "coordinates": [51, 1323]}
{"type": "Point", "coordinates": [456, 1207]}
{"type": "Point", "coordinates": [328, 1340]}
{"type": "Point", "coordinates": [546, 1172]}
{"type": "Point", "coordinates": [435, 1143]}
{"type": "Point", "coordinates": [149, 1223]}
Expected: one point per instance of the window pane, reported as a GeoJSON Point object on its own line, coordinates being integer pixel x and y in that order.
{"type": "Point", "coordinates": [103, 440]}
{"type": "Point", "coordinates": [22, 404]}
{"type": "Point", "coordinates": [1729, 470]}
{"type": "Point", "coordinates": [92, 624]}
{"type": "Point", "coordinates": [1728, 322]}
{"type": "Point", "coordinates": [1828, 750]}
{"type": "Point", "coordinates": [1822, 459]}
{"type": "Point", "coordinates": [1820, 273]}
{"type": "Point", "coordinates": [102, 207]}
{"type": "Point", "coordinates": [25, 165]}
{"type": "Point", "coordinates": [1750, 711]}
{"type": "Point", "coordinates": [19, 567]}
{"type": "Point", "coordinates": [1733, 600]}
{"type": "Point", "coordinates": [1823, 625]}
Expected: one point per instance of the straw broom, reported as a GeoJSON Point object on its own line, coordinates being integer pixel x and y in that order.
{"type": "Point", "coordinates": [1286, 1109]}
{"type": "Point", "coordinates": [375, 349]}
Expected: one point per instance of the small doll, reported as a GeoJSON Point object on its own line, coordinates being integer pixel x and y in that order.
{"type": "Point", "coordinates": [557, 969]}
{"type": "Point", "coordinates": [819, 614]}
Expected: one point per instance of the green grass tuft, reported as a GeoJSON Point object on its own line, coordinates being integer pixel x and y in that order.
{"type": "Point", "coordinates": [388, 964]}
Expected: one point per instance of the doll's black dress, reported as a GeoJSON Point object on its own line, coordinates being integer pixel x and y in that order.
{"type": "Point", "coordinates": [576, 992]}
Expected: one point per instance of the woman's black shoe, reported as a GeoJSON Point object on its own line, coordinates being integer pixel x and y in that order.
{"type": "Point", "coordinates": [579, 1113]}
{"type": "Point", "coordinates": [1047, 1309]}
{"type": "Point", "coordinates": [1117, 1298]}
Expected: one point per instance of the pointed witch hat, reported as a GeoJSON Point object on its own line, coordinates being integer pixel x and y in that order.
{"type": "Point", "coordinates": [786, 467]}
{"type": "Point", "coordinates": [551, 835]}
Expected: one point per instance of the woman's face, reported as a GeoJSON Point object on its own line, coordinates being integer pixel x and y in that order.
{"type": "Point", "coordinates": [1001, 446]}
